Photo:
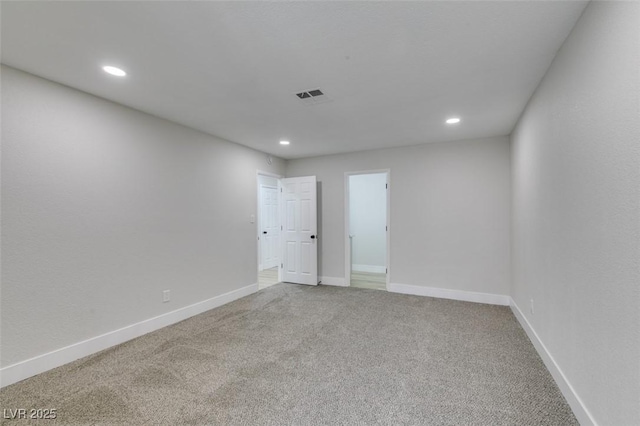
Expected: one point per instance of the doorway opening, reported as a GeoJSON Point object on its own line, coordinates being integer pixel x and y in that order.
{"type": "Point", "coordinates": [367, 226]}
{"type": "Point", "coordinates": [268, 226]}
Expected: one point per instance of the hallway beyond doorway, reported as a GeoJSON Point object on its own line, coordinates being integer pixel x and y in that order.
{"type": "Point", "coordinates": [370, 280]}
{"type": "Point", "coordinates": [268, 277]}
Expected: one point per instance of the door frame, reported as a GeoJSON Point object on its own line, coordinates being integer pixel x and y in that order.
{"type": "Point", "coordinates": [347, 231]}
{"type": "Point", "coordinates": [259, 216]}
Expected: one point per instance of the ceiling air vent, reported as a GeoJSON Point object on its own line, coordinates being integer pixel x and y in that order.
{"type": "Point", "coordinates": [313, 97]}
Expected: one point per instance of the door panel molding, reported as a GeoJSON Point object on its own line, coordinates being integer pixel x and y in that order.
{"type": "Point", "coordinates": [299, 230]}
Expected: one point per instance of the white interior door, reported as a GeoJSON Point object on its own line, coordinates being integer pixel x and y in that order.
{"type": "Point", "coordinates": [269, 227]}
{"type": "Point", "coordinates": [299, 231]}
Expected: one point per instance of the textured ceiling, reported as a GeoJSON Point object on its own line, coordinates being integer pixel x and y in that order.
{"type": "Point", "coordinates": [393, 70]}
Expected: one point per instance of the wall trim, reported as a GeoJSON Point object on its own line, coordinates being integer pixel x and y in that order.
{"type": "Point", "coordinates": [577, 405]}
{"type": "Point", "coordinates": [376, 269]}
{"type": "Point", "coordinates": [41, 363]}
{"type": "Point", "coordinates": [443, 293]}
{"type": "Point", "coordinates": [337, 281]}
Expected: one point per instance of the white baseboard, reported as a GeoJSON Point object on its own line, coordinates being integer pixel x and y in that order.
{"type": "Point", "coordinates": [41, 363]}
{"type": "Point", "coordinates": [369, 268]}
{"type": "Point", "coordinates": [443, 293]}
{"type": "Point", "coordinates": [337, 281]}
{"type": "Point", "coordinates": [579, 410]}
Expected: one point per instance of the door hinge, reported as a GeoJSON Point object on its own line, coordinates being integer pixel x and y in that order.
{"type": "Point", "coordinates": [281, 227]}
{"type": "Point", "coordinates": [281, 265]}
{"type": "Point", "coordinates": [386, 186]}
{"type": "Point", "coordinates": [386, 270]}
{"type": "Point", "coordinates": [280, 189]}
{"type": "Point", "coordinates": [386, 228]}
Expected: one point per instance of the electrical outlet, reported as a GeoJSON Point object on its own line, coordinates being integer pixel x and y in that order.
{"type": "Point", "coordinates": [166, 296]}
{"type": "Point", "coordinates": [531, 307]}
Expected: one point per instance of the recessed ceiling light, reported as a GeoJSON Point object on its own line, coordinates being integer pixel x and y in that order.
{"type": "Point", "coordinates": [453, 120]}
{"type": "Point", "coordinates": [114, 71]}
{"type": "Point", "coordinates": [284, 142]}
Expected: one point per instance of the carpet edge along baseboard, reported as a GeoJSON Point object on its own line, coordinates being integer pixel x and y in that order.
{"type": "Point", "coordinates": [39, 364]}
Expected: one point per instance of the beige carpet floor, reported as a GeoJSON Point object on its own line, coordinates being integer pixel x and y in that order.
{"type": "Point", "coordinates": [303, 355]}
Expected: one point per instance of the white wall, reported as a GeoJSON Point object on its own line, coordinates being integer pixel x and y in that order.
{"type": "Point", "coordinates": [576, 209]}
{"type": "Point", "coordinates": [367, 221]}
{"type": "Point", "coordinates": [450, 212]}
{"type": "Point", "coordinates": [103, 207]}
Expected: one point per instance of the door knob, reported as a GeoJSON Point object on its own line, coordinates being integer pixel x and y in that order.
{"type": "Point", "coordinates": [313, 236]}
{"type": "Point", "coordinates": [264, 232]}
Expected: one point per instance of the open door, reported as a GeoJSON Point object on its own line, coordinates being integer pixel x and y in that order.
{"type": "Point", "coordinates": [299, 231]}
